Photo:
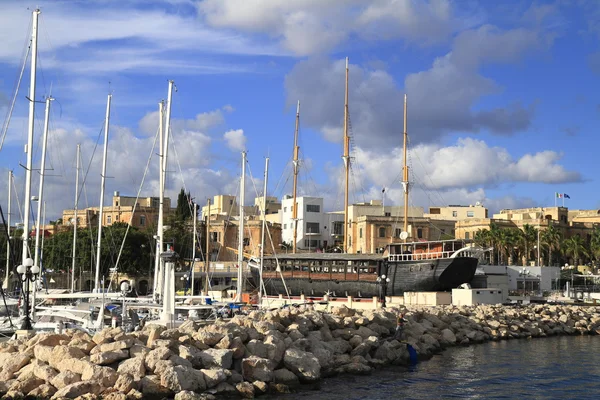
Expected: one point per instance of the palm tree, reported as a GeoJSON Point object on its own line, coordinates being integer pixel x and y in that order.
{"type": "Point", "coordinates": [482, 238]}
{"type": "Point", "coordinates": [595, 244]}
{"type": "Point", "coordinates": [551, 239]}
{"type": "Point", "coordinates": [576, 248]}
{"type": "Point", "coordinates": [494, 235]}
{"type": "Point", "coordinates": [529, 237]}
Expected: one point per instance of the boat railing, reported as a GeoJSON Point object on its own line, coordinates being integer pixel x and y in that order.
{"type": "Point", "coordinates": [420, 256]}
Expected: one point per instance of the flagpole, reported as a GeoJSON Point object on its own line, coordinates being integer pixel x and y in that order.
{"type": "Point", "coordinates": [555, 196]}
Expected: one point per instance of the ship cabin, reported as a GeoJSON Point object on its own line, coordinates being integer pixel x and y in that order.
{"type": "Point", "coordinates": [323, 266]}
{"type": "Point", "coordinates": [425, 250]}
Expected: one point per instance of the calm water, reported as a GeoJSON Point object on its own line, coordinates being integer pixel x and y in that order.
{"type": "Point", "coordinates": [549, 368]}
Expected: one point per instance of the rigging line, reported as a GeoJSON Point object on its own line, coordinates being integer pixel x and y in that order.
{"type": "Point", "coordinates": [136, 201]}
{"type": "Point", "coordinates": [90, 163]}
{"type": "Point", "coordinates": [14, 100]}
{"type": "Point", "coordinates": [17, 198]}
{"type": "Point", "coordinates": [425, 172]}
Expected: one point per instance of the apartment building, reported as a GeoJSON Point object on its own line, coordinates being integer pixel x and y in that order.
{"type": "Point", "coordinates": [458, 212]}
{"type": "Point", "coordinates": [140, 214]}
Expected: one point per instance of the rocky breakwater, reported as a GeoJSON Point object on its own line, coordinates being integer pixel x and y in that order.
{"type": "Point", "coordinates": [265, 351]}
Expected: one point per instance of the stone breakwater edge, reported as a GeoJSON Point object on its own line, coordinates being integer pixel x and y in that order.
{"type": "Point", "coordinates": [264, 352]}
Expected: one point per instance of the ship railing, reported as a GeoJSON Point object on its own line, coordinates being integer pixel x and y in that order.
{"type": "Point", "coordinates": [420, 256]}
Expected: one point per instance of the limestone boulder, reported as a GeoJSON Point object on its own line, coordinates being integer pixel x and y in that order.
{"type": "Point", "coordinates": [43, 391]}
{"type": "Point", "coordinates": [305, 365]}
{"type": "Point", "coordinates": [238, 348]}
{"type": "Point", "coordinates": [189, 395]}
{"type": "Point", "coordinates": [257, 369]}
{"type": "Point", "coordinates": [105, 376]}
{"type": "Point", "coordinates": [65, 378]}
{"type": "Point", "coordinates": [109, 357]}
{"type": "Point", "coordinates": [208, 338]}
{"type": "Point", "coordinates": [191, 354]}
{"type": "Point", "coordinates": [78, 389]}
{"type": "Point", "coordinates": [45, 372]}
{"type": "Point", "coordinates": [286, 377]}
{"type": "Point", "coordinates": [138, 350]}
{"type": "Point", "coordinates": [158, 354]}
{"type": "Point", "coordinates": [125, 383]}
{"type": "Point", "coordinates": [218, 358]}
{"type": "Point", "coordinates": [133, 366]}
{"type": "Point", "coordinates": [343, 311]}
{"type": "Point", "coordinates": [180, 378]}
{"type": "Point", "coordinates": [11, 362]}
{"type": "Point", "coordinates": [245, 390]}
{"type": "Point", "coordinates": [213, 377]}
{"type": "Point", "coordinates": [150, 386]}
{"type": "Point", "coordinates": [26, 385]}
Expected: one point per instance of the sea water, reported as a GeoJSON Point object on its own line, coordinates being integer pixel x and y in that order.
{"type": "Point", "coordinates": [566, 367]}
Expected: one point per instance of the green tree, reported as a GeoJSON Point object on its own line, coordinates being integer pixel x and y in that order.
{"type": "Point", "coordinates": [595, 244]}
{"type": "Point", "coordinates": [185, 206]}
{"type": "Point", "coordinates": [576, 248]}
{"type": "Point", "coordinates": [551, 239]}
{"type": "Point", "coordinates": [529, 238]}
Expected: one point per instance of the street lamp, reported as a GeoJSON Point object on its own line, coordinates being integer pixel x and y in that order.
{"type": "Point", "coordinates": [383, 281]}
{"type": "Point", "coordinates": [184, 279]}
{"type": "Point", "coordinates": [27, 273]}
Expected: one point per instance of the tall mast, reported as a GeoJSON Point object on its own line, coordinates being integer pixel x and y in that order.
{"type": "Point", "coordinates": [73, 262]}
{"type": "Point", "coordinates": [207, 255]}
{"type": "Point", "coordinates": [405, 170]}
{"type": "Point", "coordinates": [194, 248]}
{"type": "Point", "coordinates": [164, 176]}
{"type": "Point", "coordinates": [102, 186]}
{"type": "Point", "coordinates": [240, 275]}
{"type": "Point", "coordinates": [36, 254]}
{"type": "Point", "coordinates": [346, 159]}
{"type": "Point", "coordinates": [264, 228]}
{"type": "Point", "coordinates": [29, 148]}
{"type": "Point", "coordinates": [159, 229]}
{"type": "Point", "coordinates": [296, 165]}
{"type": "Point", "coordinates": [10, 179]}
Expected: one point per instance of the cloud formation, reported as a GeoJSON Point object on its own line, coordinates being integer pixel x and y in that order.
{"type": "Point", "coordinates": [235, 139]}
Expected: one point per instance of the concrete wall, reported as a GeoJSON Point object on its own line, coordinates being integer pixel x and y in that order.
{"type": "Point", "coordinates": [470, 297]}
{"type": "Point", "coordinates": [427, 298]}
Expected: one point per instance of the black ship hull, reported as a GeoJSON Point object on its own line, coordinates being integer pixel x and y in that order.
{"type": "Point", "coordinates": [404, 276]}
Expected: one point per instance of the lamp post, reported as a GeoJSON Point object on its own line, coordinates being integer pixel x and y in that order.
{"type": "Point", "coordinates": [184, 279]}
{"type": "Point", "coordinates": [383, 281]}
{"type": "Point", "coordinates": [27, 273]}
{"type": "Point", "coordinates": [124, 291]}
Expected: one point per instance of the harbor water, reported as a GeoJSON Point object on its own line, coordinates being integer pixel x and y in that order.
{"type": "Point", "coordinates": [563, 367]}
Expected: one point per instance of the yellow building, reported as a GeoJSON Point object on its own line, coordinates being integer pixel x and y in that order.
{"type": "Point", "coordinates": [123, 209]}
{"type": "Point", "coordinates": [227, 205]}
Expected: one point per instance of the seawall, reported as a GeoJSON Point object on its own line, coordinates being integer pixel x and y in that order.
{"type": "Point", "coordinates": [274, 351]}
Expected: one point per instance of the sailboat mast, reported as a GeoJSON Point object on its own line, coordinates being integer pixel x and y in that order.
{"type": "Point", "coordinates": [240, 274]}
{"type": "Point", "coordinates": [346, 159]}
{"type": "Point", "coordinates": [165, 163]}
{"type": "Point", "coordinates": [194, 248]}
{"type": "Point", "coordinates": [73, 262]}
{"type": "Point", "coordinates": [405, 170]}
{"type": "Point", "coordinates": [29, 148]}
{"type": "Point", "coordinates": [207, 255]}
{"type": "Point", "coordinates": [294, 193]}
{"type": "Point", "coordinates": [264, 228]}
{"type": "Point", "coordinates": [36, 254]}
{"type": "Point", "coordinates": [102, 187]}
{"type": "Point", "coordinates": [10, 178]}
{"type": "Point", "coordinates": [159, 229]}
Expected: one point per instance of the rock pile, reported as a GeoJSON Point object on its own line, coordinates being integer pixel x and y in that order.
{"type": "Point", "coordinates": [265, 351]}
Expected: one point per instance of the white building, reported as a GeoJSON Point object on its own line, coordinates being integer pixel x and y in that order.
{"type": "Point", "coordinates": [315, 227]}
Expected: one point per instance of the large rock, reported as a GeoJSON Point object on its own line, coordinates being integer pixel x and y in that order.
{"type": "Point", "coordinates": [158, 354]}
{"type": "Point", "coordinates": [286, 377]}
{"type": "Point", "coordinates": [65, 379]}
{"type": "Point", "coordinates": [180, 378]}
{"type": "Point", "coordinates": [44, 391]}
{"type": "Point", "coordinates": [125, 383]}
{"type": "Point", "coordinates": [303, 364]}
{"type": "Point", "coordinates": [213, 377]}
{"type": "Point", "coordinates": [43, 353]}
{"type": "Point", "coordinates": [257, 369]}
{"type": "Point", "coordinates": [134, 367]}
{"type": "Point", "coordinates": [78, 389]}
{"type": "Point", "coordinates": [245, 389]}
{"type": "Point", "coordinates": [219, 358]}
{"type": "Point", "coordinates": [11, 362]}
{"type": "Point", "coordinates": [26, 385]}
{"type": "Point", "coordinates": [448, 337]}
{"type": "Point", "coordinates": [47, 339]}
{"type": "Point", "coordinates": [191, 354]}
{"type": "Point", "coordinates": [105, 376]}
{"type": "Point", "coordinates": [109, 357]}
{"type": "Point", "coordinates": [151, 386]}
{"type": "Point", "coordinates": [189, 395]}
{"type": "Point", "coordinates": [208, 338]}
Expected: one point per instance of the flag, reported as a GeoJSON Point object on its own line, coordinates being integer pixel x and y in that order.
{"type": "Point", "coordinates": [566, 196]}
{"type": "Point", "coordinates": [559, 195]}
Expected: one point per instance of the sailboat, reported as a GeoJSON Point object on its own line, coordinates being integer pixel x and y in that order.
{"type": "Point", "coordinates": [401, 267]}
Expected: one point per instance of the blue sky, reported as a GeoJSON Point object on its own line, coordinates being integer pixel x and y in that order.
{"type": "Point", "coordinates": [503, 99]}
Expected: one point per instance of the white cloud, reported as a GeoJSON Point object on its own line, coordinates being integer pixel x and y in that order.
{"type": "Point", "coordinates": [202, 122]}
{"type": "Point", "coordinates": [235, 139]}
{"type": "Point", "coordinates": [315, 26]}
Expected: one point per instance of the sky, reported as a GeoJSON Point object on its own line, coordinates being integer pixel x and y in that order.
{"type": "Point", "coordinates": [503, 101]}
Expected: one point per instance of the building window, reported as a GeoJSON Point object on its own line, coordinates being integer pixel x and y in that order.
{"type": "Point", "coordinates": [284, 209]}
{"type": "Point", "coordinates": [382, 232]}
{"type": "Point", "coordinates": [388, 214]}
{"type": "Point", "coordinates": [117, 203]}
{"type": "Point", "coordinates": [142, 220]}
{"type": "Point", "coordinates": [420, 233]}
{"type": "Point", "coordinates": [284, 226]}
{"type": "Point", "coordinates": [338, 228]}
{"type": "Point", "coordinates": [467, 235]}
{"type": "Point", "coordinates": [455, 213]}
{"type": "Point", "coordinates": [470, 214]}
{"type": "Point", "coordinates": [360, 233]}
{"type": "Point", "coordinates": [231, 202]}
{"type": "Point", "coordinates": [108, 219]}
{"type": "Point", "coordinates": [312, 227]}
{"type": "Point", "coordinates": [313, 208]}
{"type": "Point", "coordinates": [397, 232]}
{"type": "Point", "coordinates": [312, 243]}
{"type": "Point", "coordinates": [246, 241]}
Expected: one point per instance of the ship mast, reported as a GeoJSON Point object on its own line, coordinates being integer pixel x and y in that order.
{"type": "Point", "coordinates": [405, 175]}
{"type": "Point", "coordinates": [346, 158]}
{"type": "Point", "coordinates": [208, 250]}
{"type": "Point", "coordinates": [295, 205]}
{"type": "Point", "coordinates": [240, 271]}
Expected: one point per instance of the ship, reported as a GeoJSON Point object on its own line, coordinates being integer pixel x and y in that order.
{"type": "Point", "coordinates": [402, 267]}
